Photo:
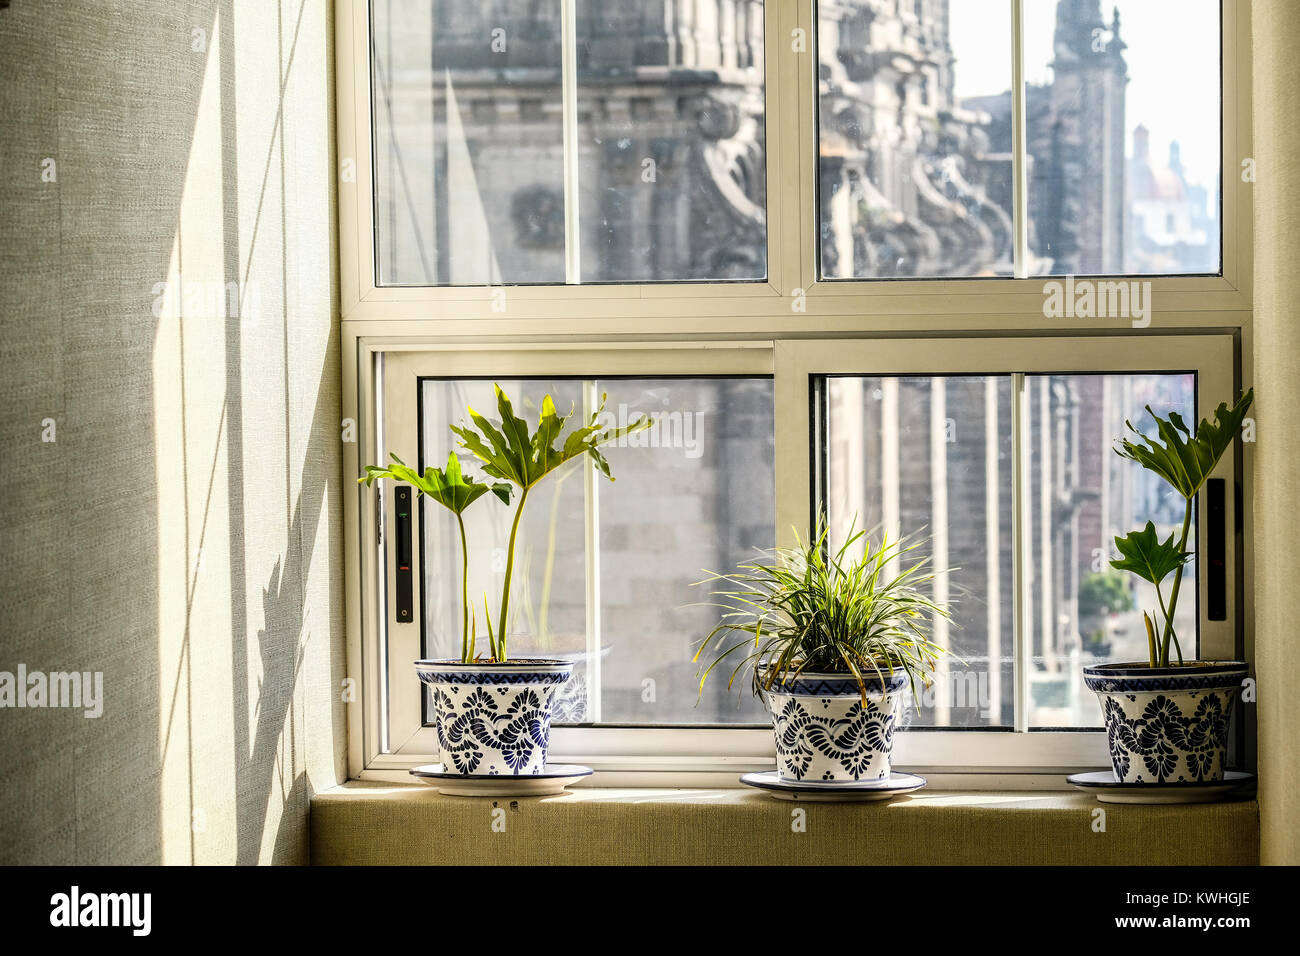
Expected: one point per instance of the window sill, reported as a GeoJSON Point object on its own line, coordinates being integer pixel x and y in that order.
{"type": "Point", "coordinates": [370, 823]}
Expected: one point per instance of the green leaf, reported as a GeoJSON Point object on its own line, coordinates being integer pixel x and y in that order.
{"type": "Point", "coordinates": [509, 450]}
{"type": "Point", "coordinates": [449, 487]}
{"type": "Point", "coordinates": [1147, 556]}
{"type": "Point", "coordinates": [549, 426]}
{"type": "Point", "coordinates": [1181, 458]}
{"type": "Point", "coordinates": [515, 430]}
{"type": "Point", "coordinates": [471, 440]}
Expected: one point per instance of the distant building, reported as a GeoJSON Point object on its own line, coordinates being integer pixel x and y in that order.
{"type": "Point", "coordinates": [1074, 135]}
{"type": "Point", "coordinates": [911, 183]}
{"type": "Point", "coordinates": [1076, 143]}
{"type": "Point", "coordinates": [1171, 225]}
{"type": "Point", "coordinates": [671, 151]}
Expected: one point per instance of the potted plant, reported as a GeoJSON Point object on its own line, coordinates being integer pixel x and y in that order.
{"type": "Point", "coordinates": [493, 712]}
{"type": "Point", "coordinates": [1166, 720]}
{"type": "Point", "coordinates": [829, 642]}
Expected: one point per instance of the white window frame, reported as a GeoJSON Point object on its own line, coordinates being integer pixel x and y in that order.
{"type": "Point", "coordinates": [400, 740]}
{"type": "Point", "coordinates": [703, 321]}
{"type": "Point", "coordinates": [793, 227]}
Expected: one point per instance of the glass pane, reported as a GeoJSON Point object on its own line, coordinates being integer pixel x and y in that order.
{"type": "Point", "coordinates": [1123, 136]}
{"type": "Point", "coordinates": [695, 491]}
{"type": "Point", "coordinates": [932, 457]}
{"type": "Point", "coordinates": [468, 144]}
{"type": "Point", "coordinates": [914, 114]}
{"type": "Point", "coordinates": [1081, 496]}
{"type": "Point", "coordinates": [671, 158]}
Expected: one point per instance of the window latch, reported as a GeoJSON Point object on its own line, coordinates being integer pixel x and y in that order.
{"type": "Point", "coordinates": [402, 513]}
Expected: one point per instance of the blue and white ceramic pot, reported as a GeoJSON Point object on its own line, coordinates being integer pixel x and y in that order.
{"type": "Point", "coordinates": [825, 730]}
{"type": "Point", "coordinates": [1167, 724]}
{"type": "Point", "coordinates": [493, 718]}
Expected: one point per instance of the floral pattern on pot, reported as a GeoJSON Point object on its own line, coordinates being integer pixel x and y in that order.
{"type": "Point", "coordinates": [493, 718]}
{"type": "Point", "coordinates": [833, 735]}
{"type": "Point", "coordinates": [1169, 724]}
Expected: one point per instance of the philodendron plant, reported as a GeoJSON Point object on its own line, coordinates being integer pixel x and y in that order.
{"type": "Point", "coordinates": [1185, 461]}
{"type": "Point", "coordinates": [518, 456]}
{"type": "Point", "coordinates": [508, 450]}
{"type": "Point", "coordinates": [454, 491]}
{"type": "Point", "coordinates": [1169, 722]}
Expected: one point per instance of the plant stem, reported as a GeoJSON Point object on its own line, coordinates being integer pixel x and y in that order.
{"type": "Point", "coordinates": [1178, 581]}
{"type": "Point", "coordinates": [464, 592]}
{"type": "Point", "coordinates": [510, 567]}
{"type": "Point", "coordinates": [1155, 657]}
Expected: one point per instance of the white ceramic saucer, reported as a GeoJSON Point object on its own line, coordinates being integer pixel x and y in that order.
{"type": "Point", "coordinates": [834, 791]}
{"type": "Point", "coordinates": [553, 779]}
{"type": "Point", "coordinates": [1103, 785]}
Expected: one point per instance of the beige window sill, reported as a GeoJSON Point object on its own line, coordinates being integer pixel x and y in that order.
{"type": "Point", "coordinates": [382, 823]}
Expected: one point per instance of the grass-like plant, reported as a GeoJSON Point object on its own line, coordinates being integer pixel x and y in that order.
{"type": "Point", "coordinates": [804, 609]}
{"type": "Point", "coordinates": [1185, 461]}
{"type": "Point", "coordinates": [510, 451]}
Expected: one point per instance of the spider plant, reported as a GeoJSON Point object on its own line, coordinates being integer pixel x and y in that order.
{"type": "Point", "coordinates": [1185, 461]}
{"type": "Point", "coordinates": [453, 490]}
{"type": "Point", "coordinates": [510, 451]}
{"type": "Point", "coordinates": [805, 609]}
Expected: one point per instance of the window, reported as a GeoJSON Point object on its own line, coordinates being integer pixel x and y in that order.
{"type": "Point", "coordinates": [931, 458]}
{"type": "Point", "coordinates": [1122, 124]}
{"type": "Point", "coordinates": [820, 239]}
{"type": "Point", "coordinates": [1012, 478]}
{"type": "Point", "coordinates": [1082, 496]}
{"type": "Point", "coordinates": [915, 171]}
{"type": "Point", "coordinates": [468, 143]}
{"type": "Point", "coordinates": [605, 570]}
{"type": "Point", "coordinates": [672, 176]}
{"type": "Point", "coordinates": [937, 453]}
{"type": "Point", "coordinates": [477, 181]}
{"type": "Point", "coordinates": [1121, 149]}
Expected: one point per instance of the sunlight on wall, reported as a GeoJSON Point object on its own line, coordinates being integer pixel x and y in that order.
{"type": "Point", "coordinates": [194, 565]}
{"type": "Point", "coordinates": [245, 390]}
